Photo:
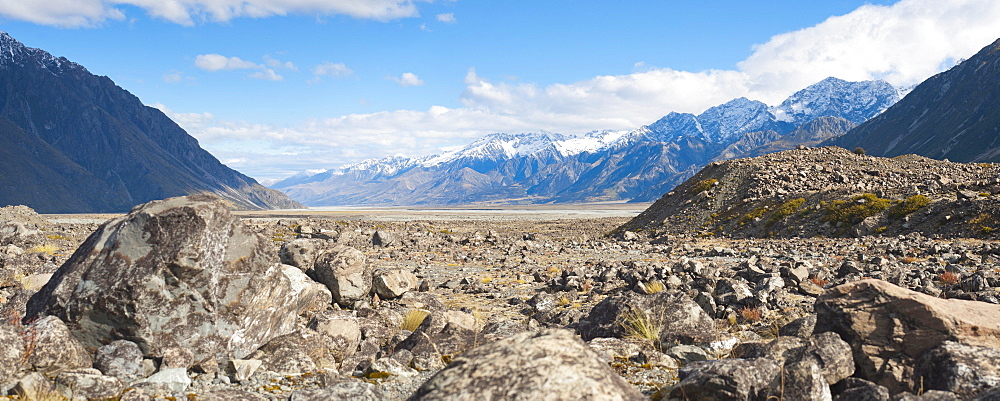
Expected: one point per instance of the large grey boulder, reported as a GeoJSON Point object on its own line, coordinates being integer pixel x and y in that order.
{"type": "Point", "coordinates": [54, 348]}
{"type": "Point", "coordinates": [346, 272]}
{"type": "Point", "coordinates": [121, 359]}
{"type": "Point", "coordinates": [889, 327]}
{"type": "Point", "coordinates": [553, 364]}
{"type": "Point", "coordinates": [729, 379]}
{"type": "Point", "coordinates": [674, 315]}
{"type": "Point", "coordinates": [965, 370]}
{"type": "Point", "coordinates": [174, 273]}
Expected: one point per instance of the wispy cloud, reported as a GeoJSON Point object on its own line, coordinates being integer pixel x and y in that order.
{"type": "Point", "coordinates": [218, 62]}
{"type": "Point", "coordinates": [904, 44]}
{"type": "Point", "coordinates": [88, 13]}
{"type": "Point", "coordinates": [408, 79]}
{"type": "Point", "coordinates": [448, 18]}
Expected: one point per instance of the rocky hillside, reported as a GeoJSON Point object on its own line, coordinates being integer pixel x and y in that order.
{"type": "Point", "coordinates": [71, 141]}
{"type": "Point", "coordinates": [830, 191]}
{"type": "Point", "coordinates": [952, 115]}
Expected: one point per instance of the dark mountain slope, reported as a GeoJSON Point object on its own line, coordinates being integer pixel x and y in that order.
{"type": "Point", "coordinates": [954, 115]}
{"type": "Point", "coordinates": [124, 152]}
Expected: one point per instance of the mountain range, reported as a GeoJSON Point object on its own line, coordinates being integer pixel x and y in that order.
{"type": "Point", "coordinates": [73, 142]}
{"type": "Point", "coordinates": [637, 165]}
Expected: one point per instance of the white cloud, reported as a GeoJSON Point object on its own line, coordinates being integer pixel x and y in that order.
{"type": "Point", "coordinates": [86, 13]}
{"type": "Point", "coordinates": [448, 18]}
{"type": "Point", "coordinates": [218, 62]}
{"type": "Point", "coordinates": [336, 70]}
{"type": "Point", "coordinates": [275, 63]}
{"type": "Point", "coordinates": [408, 79]}
{"type": "Point", "coordinates": [904, 43]}
{"type": "Point", "coordinates": [176, 77]}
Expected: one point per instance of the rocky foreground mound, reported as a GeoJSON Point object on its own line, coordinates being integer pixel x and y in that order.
{"type": "Point", "coordinates": [830, 192]}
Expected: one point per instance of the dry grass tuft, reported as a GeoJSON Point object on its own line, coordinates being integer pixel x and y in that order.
{"type": "Point", "coordinates": [638, 325]}
{"type": "Point", "coordinates": [652, 287]}
{"type": "Point", "coordinates": [750, 314]}
{"type": "Point", "coordinates": [948, 277]}
{"type": "Point", "coordinates": [413, 318]}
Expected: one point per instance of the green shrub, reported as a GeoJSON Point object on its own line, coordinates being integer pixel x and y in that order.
{"type": "Point", "coordinates": [910, 205]}
{"type": "Point", "coordinates": [703, 185]}
{"type": "Point", "coordinates": [786, 209]}
{"type": "Point", "coordinates": [856, 209]}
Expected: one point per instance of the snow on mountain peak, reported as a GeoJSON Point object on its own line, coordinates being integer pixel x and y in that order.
{"type": "Point", "coordinates": [854, 101]}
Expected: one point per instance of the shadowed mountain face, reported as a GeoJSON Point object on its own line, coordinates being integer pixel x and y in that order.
{"type": "Point", "coordinates": [71, 141]}
{"type": "Point", "coordinates": [954, 115]}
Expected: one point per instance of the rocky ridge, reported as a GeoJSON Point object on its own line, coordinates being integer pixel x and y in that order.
{"type": "Point", "coordinates": [830, 191]}
{"type": "Point", "coordinates": [455, 309]}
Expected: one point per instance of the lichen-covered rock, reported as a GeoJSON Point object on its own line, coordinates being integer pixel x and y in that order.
{"type": "Point", "coordinates": [312, 296]}
{"type": "Point", "coordinates": [393, 283]}
{"type": "Point", "coordinates": [729, 379]}
{"type": "Point", "coordinates": [804, 381]}
{"type": "Point", "coordinates": [11, 353]}
{"type": "Point", "coordinates": [855, 389]}
{"type": "Point", "coordinates": [54, 348]}
{"type": "Point", "coordinates": [965, 370]}
{"type": "Point", "coordinates": [176, 379]}
{"type": "Point", "coordinates": [889, 327]}
{"type": "Point", "coordinates": [180, 272]}
{"type": "Point", "coordinates": [230, 395]}
{"type": "Point", "coordinates": [552, 364]}
{"type": "Point", "coordinates": [121, 359]}
{"type": "Point", "coordinates": [90, 384]}
{"type": "Point", "coordinates": [302, 252]}
{"type": "Point", "coordinates": [342, 332]}
{"type": "Point", "coordinates": [679, 318]}
{"type": "Point", "coordinates": [295, 353]}
{"type": "Point", "coordinates": [445, 332]}
{"type": "Point", "coordinates": [346, 272]}
{"type": "Point", "coordinates": [341, 390]}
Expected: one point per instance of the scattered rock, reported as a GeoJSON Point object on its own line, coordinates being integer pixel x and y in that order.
{"type": "Point", "coordinates": [552, 364]}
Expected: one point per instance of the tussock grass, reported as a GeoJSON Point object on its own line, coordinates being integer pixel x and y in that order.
{"type": "Point", "coordinates": [639, 326]}
{"type": "Point", "coordinates": [413, 318]}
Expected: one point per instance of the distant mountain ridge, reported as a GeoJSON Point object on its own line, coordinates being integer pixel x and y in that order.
{"type": "Point", "coordinates": [637, 165]}
{"type": "Point", "coordinates": [71, 141]}
{"type": "Point", "coordinates": [953, 115]}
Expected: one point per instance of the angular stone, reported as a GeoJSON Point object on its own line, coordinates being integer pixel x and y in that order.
{"type": "Point", "coordinates": [35, 386]}
{"type": "Point", "coordinates": [343, 390]}
{"type": "Point", "coordinates": [242, 369]}
{"type": "Point", "coordinates": [90, 385]}
{"type": "Point", "coordinates": [679, 319]}
{"type": "Point", "coordinates": [296, 353]}
{"type": "Point", "coordinates": [11, 352]}
{"type": "Point", "coordinates": [311, 296]}
{"type": "Point", "coordinates": [53, 348]}
{"type": "Point", "coordinates": [176, 379]}
{"type": "Point", "coordinates": [230, 395]}
{"type": "Point", "coordinates": [302, 252]}
{"type": "Point", "coordinates": [855, 389]}
{"type": "Point", "coordinates": [384, 238]}
{"type": "Point", "coordinates": [965, 370]}
{"type": "Point", "coordinates": [121, 359]}
{"type": "Point", "coordinates": [180, 272]}
{"type": "Point", "coordinates": [889, 327]}
{"type": "Point", "coordinates": [346, 272]}
{"type": "Point", "coordinates": [804, 381]}
{"type": "Point", "coordinates": [342, 331]}
{"type": "Point", "coordinates": [552, 364]}
{"type": "Point", "coordinates": [448, 333]}
{"type": "Point", "coordinates": [729, 379]}
{"type": "Point", "coordinates": [393, 283]}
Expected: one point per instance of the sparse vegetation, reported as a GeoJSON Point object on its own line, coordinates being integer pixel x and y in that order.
{"type": "Point", "coordinates": [910, 205]}
{"type": "Point", "coordinates": [638, 325]}
{"type": "Point", "coordinates": [704, 185]}
{"type": "Point", "coordinates": [413, 318]}
{"type": "Point", "coordinates": [47, 249]}
{"type": "Point", "coordinates": [652, 287]}
{"type": "Point", "coordinates": [856, 209]}
{"type": "Point", "coordinates": [859, 151]}
{"type": "Point", "coordinates": [750, 314]}
{"type": "Point", "coordinates": [786, 209]}
{"type": "Point", "coordinates": [948, 278]}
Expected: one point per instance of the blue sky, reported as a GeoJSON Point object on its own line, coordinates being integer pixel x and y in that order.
{"type": "Point", "coordinates": [272, 87]}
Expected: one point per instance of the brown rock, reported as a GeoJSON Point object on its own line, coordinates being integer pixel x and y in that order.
{"type": "Point", "coordinates": [889, 327]}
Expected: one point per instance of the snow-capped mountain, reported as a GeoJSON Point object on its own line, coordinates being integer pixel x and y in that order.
{"type": "Point", "coordinates": [854, 101]}
{"type": "Point", "coordinates": [601, 165]}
